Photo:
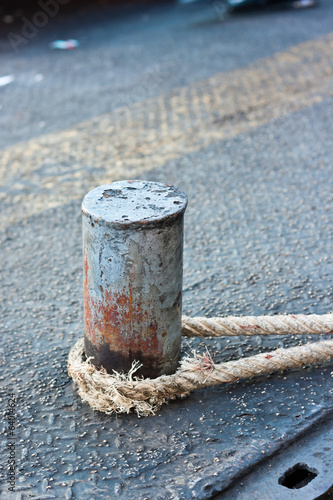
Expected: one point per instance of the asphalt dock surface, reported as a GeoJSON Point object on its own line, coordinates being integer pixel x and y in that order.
{"type": "Point", "coordinates": [235, 110]}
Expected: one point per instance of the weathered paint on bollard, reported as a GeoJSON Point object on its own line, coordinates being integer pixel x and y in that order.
{"type": "Point", "coordinates": [133, 269]}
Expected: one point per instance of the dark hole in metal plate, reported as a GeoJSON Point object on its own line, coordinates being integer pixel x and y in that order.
{"type": "Point", "coordinates": [298, 476]}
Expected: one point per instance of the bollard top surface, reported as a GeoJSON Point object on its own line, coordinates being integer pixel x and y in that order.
{"type": "Point", "coordinates": [124, 203]}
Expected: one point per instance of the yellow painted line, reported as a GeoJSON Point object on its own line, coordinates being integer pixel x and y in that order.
{"type": "Point", "coordinates": [52, 170]}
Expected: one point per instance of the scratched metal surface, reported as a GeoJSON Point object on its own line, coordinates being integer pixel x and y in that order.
{"type": "Point", "coordinates": [314, 451]}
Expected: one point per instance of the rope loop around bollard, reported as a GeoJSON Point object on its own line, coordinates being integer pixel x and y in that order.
{"type": "Point", "coordinates": [123, 393]}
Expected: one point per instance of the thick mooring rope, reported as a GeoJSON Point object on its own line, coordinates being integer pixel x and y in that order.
{"type": "Point", "coordinates": [121, 393]}
{"type": "Point", "coordinates": [299, 324]}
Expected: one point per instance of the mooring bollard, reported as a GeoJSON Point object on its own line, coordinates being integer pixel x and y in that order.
{"type": "Point", "coordinates": [133, 270]}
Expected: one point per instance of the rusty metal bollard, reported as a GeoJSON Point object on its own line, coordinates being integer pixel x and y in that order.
{"type": "Point", "coordinates": [133, 270]}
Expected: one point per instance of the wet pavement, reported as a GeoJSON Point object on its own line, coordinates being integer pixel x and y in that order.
{"type": "Point", "coordinates": [236, 111]}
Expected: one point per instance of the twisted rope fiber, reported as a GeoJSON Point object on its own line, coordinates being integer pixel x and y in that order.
{"type": "Point", "coordinates": [300, 324]}
{"type": "Point", "coordinates": [122, 393]}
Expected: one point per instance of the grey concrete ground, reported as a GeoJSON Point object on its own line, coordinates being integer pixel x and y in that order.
{"type": "Point", "coordinates": [236, 111]}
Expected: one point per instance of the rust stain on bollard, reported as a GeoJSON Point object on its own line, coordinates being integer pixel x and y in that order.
{"type": "Point", "coordinates": [133, 252]}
